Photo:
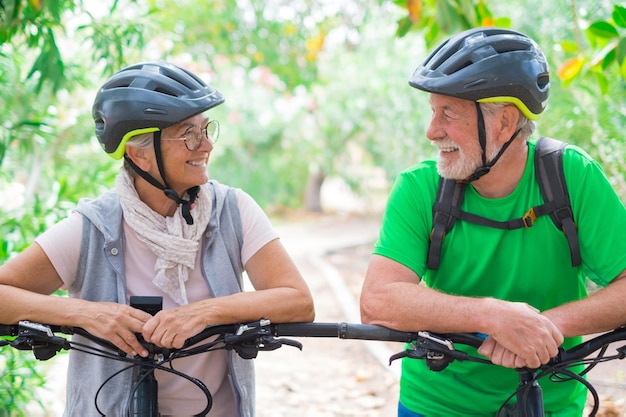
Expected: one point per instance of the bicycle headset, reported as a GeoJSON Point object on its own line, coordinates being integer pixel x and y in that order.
{"type": "Point", "coordinates": [146, 98]}
{"type": "Point", "coordinates": [488, 65]}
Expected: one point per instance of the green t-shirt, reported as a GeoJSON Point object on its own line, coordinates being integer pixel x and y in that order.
{"type": "Point", "coordinates": [529, 265]}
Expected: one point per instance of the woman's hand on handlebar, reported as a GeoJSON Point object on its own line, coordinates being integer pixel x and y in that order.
{"type": "Point", "coordinates": [171, 328]}
{"type": "Point", "coordinates": [117, 323]}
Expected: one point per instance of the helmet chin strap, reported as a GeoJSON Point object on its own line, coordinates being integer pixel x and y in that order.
{"type": "Point", "coordinates": [187, 205]}
{"type": "Point", "coordinates": [482, 139]}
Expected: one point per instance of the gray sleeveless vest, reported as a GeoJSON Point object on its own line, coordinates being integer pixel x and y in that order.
{"type": "Point", "coordinates": [100, 277]}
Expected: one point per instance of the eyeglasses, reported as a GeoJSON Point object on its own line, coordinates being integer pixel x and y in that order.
{"type": "Point", "coordinates": [193, 138]}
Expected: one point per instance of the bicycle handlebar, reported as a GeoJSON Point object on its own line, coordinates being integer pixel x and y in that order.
{"type": "Point", "coordinates": [247, 339]}
{"type": "Point", "coordinates": [237, 333]}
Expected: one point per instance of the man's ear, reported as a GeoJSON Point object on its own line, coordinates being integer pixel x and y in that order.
{"type": "Point", "coordinates": [140, 156]}
{"type": "Point", "coordinates": [509, 117]}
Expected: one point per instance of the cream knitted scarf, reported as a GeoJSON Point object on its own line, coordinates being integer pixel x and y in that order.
{"type": "Point", "coordinates": [171, 239]}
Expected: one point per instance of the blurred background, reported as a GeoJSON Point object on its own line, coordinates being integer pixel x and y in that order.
{"type": "Point", "coordinates": [318, 107]}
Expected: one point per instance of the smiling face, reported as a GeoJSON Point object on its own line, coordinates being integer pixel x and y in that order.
{"type": "Point", "coordinates": [184, 168]}
{"type": "Point", "coordinates": [453, 129]}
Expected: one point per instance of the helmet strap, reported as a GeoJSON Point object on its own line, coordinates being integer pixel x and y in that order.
{"type": "Point", "coordinates": [482, 139]}
{"type": "Point", "coordinates": [187, 205]}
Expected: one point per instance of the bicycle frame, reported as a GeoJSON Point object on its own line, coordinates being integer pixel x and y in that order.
{"type": "Point", "coordinates": [248, 339]}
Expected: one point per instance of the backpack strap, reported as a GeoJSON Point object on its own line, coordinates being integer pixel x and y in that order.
{"type": "Point", "coordinates": [551, 180]}
{"type": "Point", "coordinates": [446, 210]}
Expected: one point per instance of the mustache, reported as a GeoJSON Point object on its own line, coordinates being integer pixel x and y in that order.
{"type": "Point", "coordinates": [445, 144]}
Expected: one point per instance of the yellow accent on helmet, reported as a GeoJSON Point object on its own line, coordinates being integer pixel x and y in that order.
{"type": "Point", "coordinates": [513, 100]}
{"type": "Point", "coordinates": [118, 153]}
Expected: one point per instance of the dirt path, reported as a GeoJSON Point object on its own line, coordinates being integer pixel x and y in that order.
{"type": "Point", "coordinates": [330, 377]}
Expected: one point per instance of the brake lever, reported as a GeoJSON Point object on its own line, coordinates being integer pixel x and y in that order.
{"type": "Point", "coordinates": [437, 350]}
{"type": "Point", "coordinates": [415, 353]}
{"type": "Point", "coordinates": [289, 342]}
{"type": "Point", "coordinates": [40, 339]}
{"type": "Point", "coordinates": [265, 342]}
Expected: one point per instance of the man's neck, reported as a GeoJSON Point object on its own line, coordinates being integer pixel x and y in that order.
{"type": "Point", "coordinates": [504, 176]}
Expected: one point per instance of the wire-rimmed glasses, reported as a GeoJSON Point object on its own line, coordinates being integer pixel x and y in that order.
{"type": "Point", "coordinates": [193, 137]}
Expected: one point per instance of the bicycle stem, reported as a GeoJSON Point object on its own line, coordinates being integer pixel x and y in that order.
{"type": "Point", "coordinates": [529, 395]}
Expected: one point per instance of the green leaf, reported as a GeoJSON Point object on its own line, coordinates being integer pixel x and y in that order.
{"type": "Point", "coordinates": [570, 47]}
{"type": "Point", "coordinates": [404, 26]}
{"type": "Point", "coordinates": [432, 34]}
{"type": "Point", "coordinates": [619, 16]}
{"type": "Point", "coordinates": [621, 50]}
{"type": "Point", "coordinates": [608, 59]}
{"type": "Point", "coordinates": [502, 22]}
{"type": "Point", "coordinates": [603, 29]}
{"type": "Point", "coordinates": [603, 82]}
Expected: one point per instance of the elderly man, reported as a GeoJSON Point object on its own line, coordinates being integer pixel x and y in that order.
{"type": "Point", "coordinates": [521, 286]}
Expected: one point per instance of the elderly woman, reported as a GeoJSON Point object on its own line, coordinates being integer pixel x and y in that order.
{"type": "Point", "coordinates": [164, 230]}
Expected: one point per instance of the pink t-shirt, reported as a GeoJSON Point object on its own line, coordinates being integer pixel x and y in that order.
{"type": "Point", "coordinates": [61, 243]}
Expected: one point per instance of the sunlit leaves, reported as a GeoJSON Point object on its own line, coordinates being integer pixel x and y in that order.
{"type": "Point", "coordinates": [603, 29]}
{"type": "Point", "coordinates": [314, 46]}
{"type": "Point", "coordinates": [112, 39]}
{"type": "Point", "coordinates": [414, 7]}
{"type": "Point", "coordinates": [570, 68]}
{"type": "Point", "coordinates": [605, 53]}
{"type": "Point", "coordinates": [568, 46]}
{"type": "Point", "coordinates": [437, 18]}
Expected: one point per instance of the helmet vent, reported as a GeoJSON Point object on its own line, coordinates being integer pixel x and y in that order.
{"type": "Point", "coordinates": [152, 110]}
{"type": "Point", "coordinates": [543, 81]}
{"type": "Point", "coordinates": [167, 92]}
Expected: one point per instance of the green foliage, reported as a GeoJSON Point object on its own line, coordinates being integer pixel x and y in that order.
{"type": "Point", "coordinates": [34, 23]}
{"type": "Point", "coordinates": [47, 157]}
{"type": "Point", "coordinates": [114, 35]}
{"type": "Point", "coordinates": [19, 377]}
{"type": "Point", "coordinates": [253, 152]}
{"type": "Point", "coordinates": [603, 56]}
{"type": "Point", "coordinates": [435, 19]}
{"type": "Point", "coordinates": [250, 36]}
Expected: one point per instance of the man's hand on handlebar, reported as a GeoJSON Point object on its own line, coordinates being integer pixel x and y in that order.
{"type": "Point", "coordinates": [521, 336]}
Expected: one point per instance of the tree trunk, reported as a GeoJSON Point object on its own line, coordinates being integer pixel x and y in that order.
{"type": "Point", "coordinates": [312, 197]}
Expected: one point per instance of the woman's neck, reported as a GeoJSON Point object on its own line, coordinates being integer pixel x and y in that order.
{"type": "Point", "coordinates": [154, 197]}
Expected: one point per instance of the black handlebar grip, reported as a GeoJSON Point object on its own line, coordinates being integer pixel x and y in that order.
{"type": "Point", "coordinates": [8, 329]}
{"type": "Point", "coordinates": [374, 332]}
{"type": "Point", "coordinates": [307, 329]}
{"type": "Point", "coordinates": [342, 331]}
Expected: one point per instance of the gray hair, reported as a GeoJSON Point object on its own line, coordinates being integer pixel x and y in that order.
{"type": "Point", "coordinates": [526, 125]}
{"type": "Point", "coordinates": [143, 141]}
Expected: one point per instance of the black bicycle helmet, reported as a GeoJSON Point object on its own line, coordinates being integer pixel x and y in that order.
{"type": "Point", "coordinates": [147, 97]}
{"type": "Point", "coordinates": [488, 64]}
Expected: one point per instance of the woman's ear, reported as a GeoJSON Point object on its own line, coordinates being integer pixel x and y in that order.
{"type": "Point", "coordinates": [140, 156]}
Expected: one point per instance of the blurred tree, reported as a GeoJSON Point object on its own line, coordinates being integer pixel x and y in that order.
{"type": "Point", "coordinates": [46, 57]}
{"type": "Point", "coordinates": [277, 44]}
